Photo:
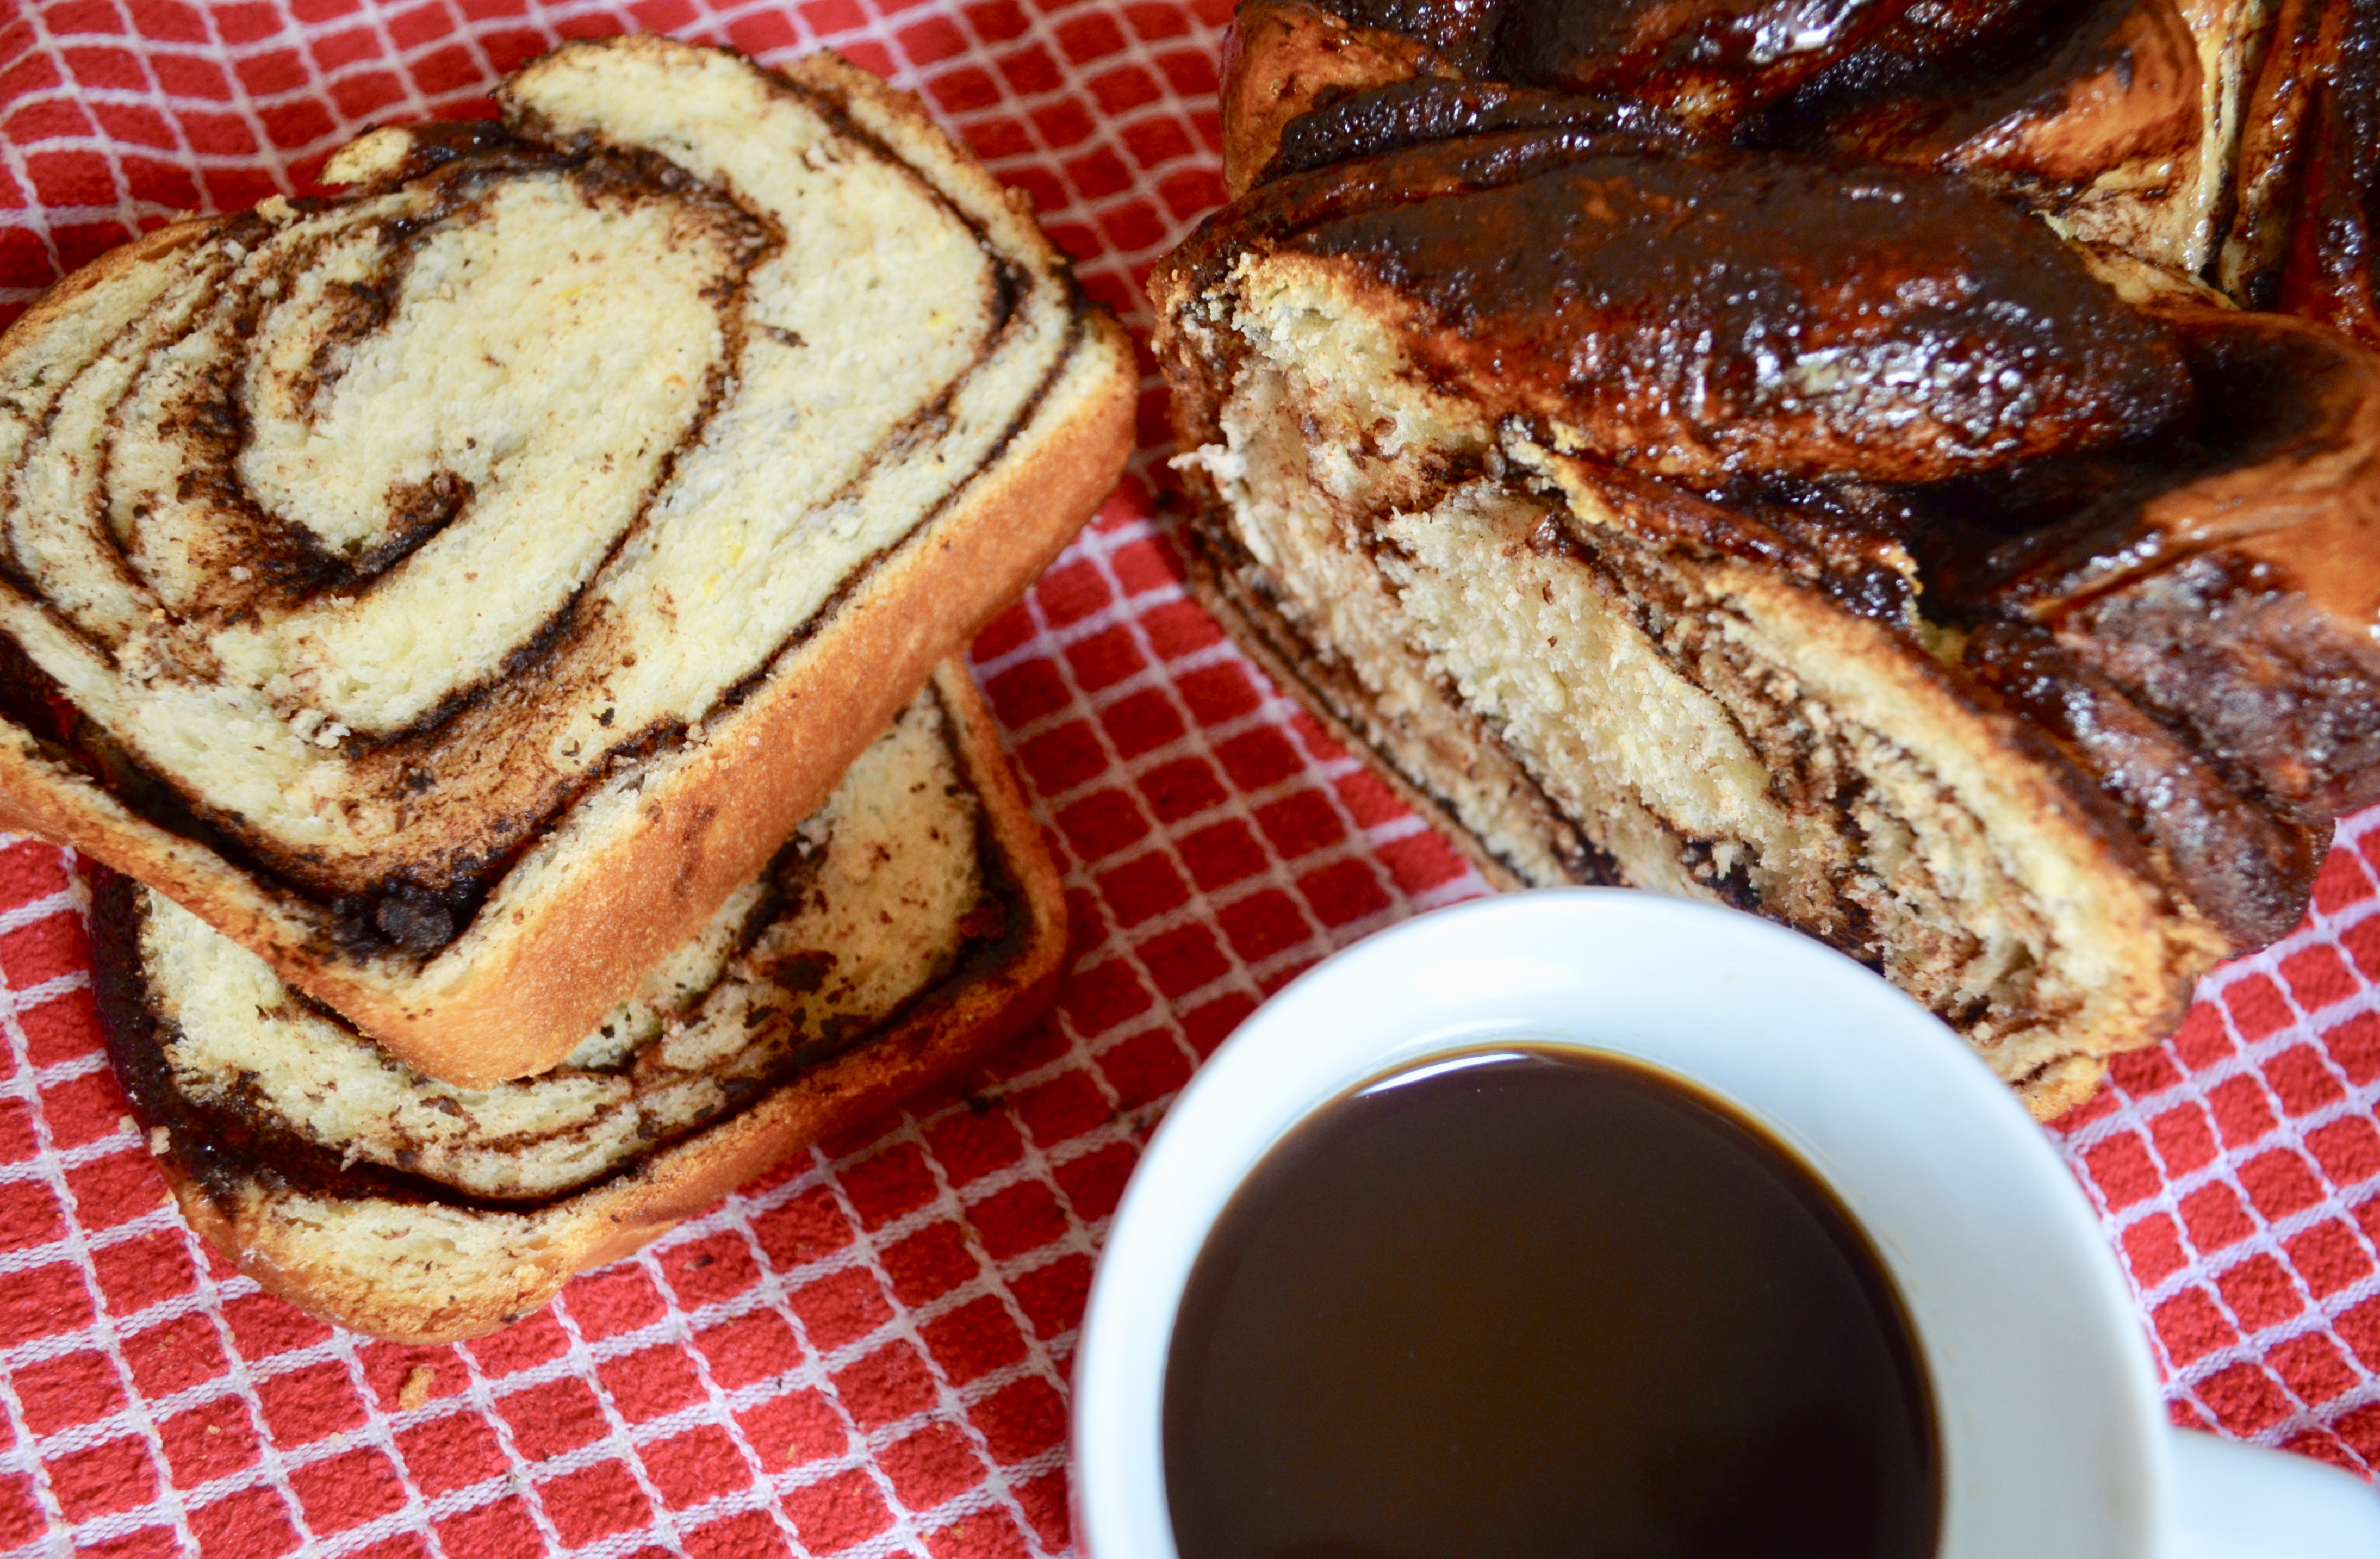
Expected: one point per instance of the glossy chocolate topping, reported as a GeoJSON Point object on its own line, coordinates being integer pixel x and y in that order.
{"type": "Point", "coordinates": [2043, 99]}
{"type": "Point", "coordinates": [1427, 109]}
{"type": "Point", "coordinates": [2289, 457]}
{"type": "Point", "coordinates": [1723, 314]}
{"type": "Point", "coordinates": [1976, 34]}
{"type": "Point", "coordinates": [1463, 32]}
{"type": "Point", "coordinates": [1711, 61]}
{"type": "Point", "coordinates": [2060, 94]}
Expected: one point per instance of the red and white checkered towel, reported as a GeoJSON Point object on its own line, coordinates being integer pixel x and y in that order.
{"type": "Point", "coordinates": [866, 1351]}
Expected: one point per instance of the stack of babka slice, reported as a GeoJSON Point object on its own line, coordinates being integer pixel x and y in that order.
{"type": "Point", "coordinates": [458, 593]}
{"type": "Point", "coordinates": [908, 928]}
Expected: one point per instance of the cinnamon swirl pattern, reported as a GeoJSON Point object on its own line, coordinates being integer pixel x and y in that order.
{"type": "Point", "coordinates": [878, 897]}
{"type": "Point", "coordinates": [375, 533]}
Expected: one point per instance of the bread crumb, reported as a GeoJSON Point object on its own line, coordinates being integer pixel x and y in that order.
{"type": "Point", "coordinates": [161, 1141]}
{"type": "Point", "coordinates": [416, 1389]}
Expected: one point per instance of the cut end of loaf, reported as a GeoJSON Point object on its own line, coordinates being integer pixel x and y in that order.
{"type": "Point", "coordinates": [1492, 622]}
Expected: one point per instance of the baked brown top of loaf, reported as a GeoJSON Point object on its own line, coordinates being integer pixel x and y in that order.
{"type": "Point", "coordinates": [2308, 187]}
{"type": "Point", "coordinates": [2117, 118]}
{"type": "Point", "coordinates": [910, 924]}
{"type": "Point", "coordinates": [1704, 315]}
{"type": "Point", "coordinates": [1886, 382]}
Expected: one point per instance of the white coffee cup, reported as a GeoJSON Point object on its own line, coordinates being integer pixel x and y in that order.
{"type": "Point", "coordinates": [2053, 1438]}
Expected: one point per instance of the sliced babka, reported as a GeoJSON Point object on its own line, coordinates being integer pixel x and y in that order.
{"type": "Point", "coordinates": [1821, 537]}
{"type": "Point", "coordinates": [906, 928]}
{"type": "Point", "coordinates": [453, 591]}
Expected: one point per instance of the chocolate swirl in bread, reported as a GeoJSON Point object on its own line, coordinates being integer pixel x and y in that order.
{"type": "Point", "coordinates": [1818, 536]}
{"type": "Point", "coordinates": [385, 576]}
{"type": "Point", "coordinates": [909, 926]}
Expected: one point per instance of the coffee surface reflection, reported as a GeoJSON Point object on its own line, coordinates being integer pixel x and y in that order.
{"type": "Point", "coordinates": [1529, 1303]}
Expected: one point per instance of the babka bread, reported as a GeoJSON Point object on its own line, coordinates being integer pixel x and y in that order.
{"type": "Point", "coordinates": [1816, 535]}
{"type": "Point", "coordinates": [908, 927]}
{"type": "Point", "coordinates": [453, 591]}
{"type": "Point", "coordinates": [2115, 119]}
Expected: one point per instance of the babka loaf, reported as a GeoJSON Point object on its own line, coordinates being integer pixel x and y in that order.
{"type": "Point", "coordinates": [2115, 119]}
{"type": "Point", "coordinates": [453, 593]}
{"type": "Point", "coordinates": [908, 927]}
{"type": "Point", "coordinates": [1821, 536]}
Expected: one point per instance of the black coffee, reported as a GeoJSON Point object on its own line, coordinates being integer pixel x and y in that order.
{"type": "Point", "coordinates": [1542, 1304]}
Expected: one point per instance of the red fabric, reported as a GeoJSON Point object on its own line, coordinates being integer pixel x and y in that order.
{"type": "Point", "coordinates": [866, 1351]}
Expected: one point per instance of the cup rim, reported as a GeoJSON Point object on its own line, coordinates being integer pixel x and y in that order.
{"type": "Point", "coordinates": [1852, 1076]}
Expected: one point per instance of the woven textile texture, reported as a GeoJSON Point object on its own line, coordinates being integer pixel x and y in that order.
{"type": "Point", "coordinates": [866, 1351]}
